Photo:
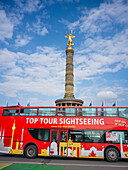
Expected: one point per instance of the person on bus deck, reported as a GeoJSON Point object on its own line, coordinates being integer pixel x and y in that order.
{"type": "Point", "coordinates": [102, 113]}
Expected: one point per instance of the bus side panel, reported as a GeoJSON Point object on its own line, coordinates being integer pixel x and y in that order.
{"type": "Point", "coordinates": [14, 136]}
{"type": "Point", "coordinates": [5, 134]}
{"type": "Point", "coordinates": [85, 150]}
{"type": "Point", "coordinates": [42, 146]}
{"type": "Point", "coordinates": [125, 151]}
{"type": "Point", "coordinates": [10, 135]}
{"type": "Point", "coordinates": [94, 150]}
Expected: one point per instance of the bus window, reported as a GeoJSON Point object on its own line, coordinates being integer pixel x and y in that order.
{"type": "Point", "coordinates": [110, 112]}
{"type": "Point", "coordinates": [70, 112]}
{"type": "Point", "coordinates": [94, 136]}
{"type": "Point", "coordinates": [77, 138]}
{"type": "Point", "coordinates": [126, 136]}
{"type": "Point", "coordinates": [66, 112]}
{"type": "Point", "coordinates": [10, 112]}
{"type": "Point", "coordinates": [47, 112]}
{"type": "Point", "coordinates": [86, 111]}
{"type": "Point", "coordinates": [40, 134]}
{"type": "Point", "coordinates": [44, 134]}
{"type": "Point", "coordinates": [54, 136]}
{"type": "Point", "coordinates": [123, 112]}
{"type": "Point", "coordinates": [28, 112]}
{"type": "Point", "coordinates": [60, 112]}
{"type": "Point", "coordinates": [76, 135]}
{"type": "Point", "coordinates": [63, 136]}
{"type": "Point", "coordinates": [34, 133]}
{"type": "Point", "coordinates": [115, 136]}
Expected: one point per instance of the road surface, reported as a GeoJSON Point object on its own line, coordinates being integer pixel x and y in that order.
{"type": "Point", "coordinates": [67, 163]}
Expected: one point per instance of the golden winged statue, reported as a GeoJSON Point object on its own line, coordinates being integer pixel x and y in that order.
{"type": "Point", "coordinates": [70, 36]}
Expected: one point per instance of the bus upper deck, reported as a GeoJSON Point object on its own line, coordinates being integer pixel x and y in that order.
{"type": "Point", "coordinates": [111, 111]}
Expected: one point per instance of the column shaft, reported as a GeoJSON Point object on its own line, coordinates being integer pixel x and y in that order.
{"type": "Point", "coordinates": [69, 76]}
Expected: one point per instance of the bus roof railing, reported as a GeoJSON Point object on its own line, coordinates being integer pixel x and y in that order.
{"type": "Point", "coordinates": [64, 106]}
{"type": "Point", "coordinates": [110, 111]}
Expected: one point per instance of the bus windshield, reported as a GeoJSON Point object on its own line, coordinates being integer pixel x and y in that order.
{"type": "Point", "coordinates": [123, 112]}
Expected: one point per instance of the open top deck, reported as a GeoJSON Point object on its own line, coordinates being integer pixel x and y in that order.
{"type": "Point", "coordinates": [97, 111]}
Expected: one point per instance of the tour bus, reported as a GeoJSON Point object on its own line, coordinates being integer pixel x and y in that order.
{"type": "Point", "coordinates": [76, 132]}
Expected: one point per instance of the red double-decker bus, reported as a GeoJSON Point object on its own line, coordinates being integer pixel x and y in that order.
{"type": "Point", "coordinates": [77, 132]}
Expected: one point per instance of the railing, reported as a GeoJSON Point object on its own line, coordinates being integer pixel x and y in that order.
{"type": "Point", "coordinates": [67, 111]}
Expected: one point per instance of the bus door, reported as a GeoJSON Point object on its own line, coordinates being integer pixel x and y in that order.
{"type": "Point", "coordinates": [59, 142]}
{"type": "Point", "coordinates": [54, 142]}
{"type": "Point", "coordinates": [63, 143]}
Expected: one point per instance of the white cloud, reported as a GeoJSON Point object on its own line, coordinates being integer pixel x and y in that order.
{"type": "Point", "coordinates": [43, 31]}
{"type": "Point", "coordinates": [22, 41]}
{"type": "Point", "coordinates": [41, 72]}
{"type": "Point", "coordinates": [51, 2]}
{"type": "Point", "coordinates": [106, 95]}
{"type": "Point", "coordinates": [70, 25]}
{"type": "Point", "coordinates": [29, 5]}
{"type": "Point", "coordinates": [6, 27]}
{"type": "Point", "coordinates": [22, 8]}
{"type": "Point", "coordinates": [104, 18]}
{"type": "Point", "coordinates": [97, 56]}
{"type": "Point", "coordinates": [37, 27]}
{"type": "Point", "coordinates": [35, 101]}
{"type": "Point", "coordinates": [99, 52]}
{"type": "Point", "coordinates": [7, 59]}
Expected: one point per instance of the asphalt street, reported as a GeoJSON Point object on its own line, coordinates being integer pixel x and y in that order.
{"type": "Point", "coordinates": [67, 163]}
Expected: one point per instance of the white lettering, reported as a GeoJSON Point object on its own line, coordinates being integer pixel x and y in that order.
{"type": "Point", "coordinates": [61, 121]}
{"type": "Point", "coordinates": [89, 121]}
{"type": "Point", "coordinates": [96, 121]}
{"type": "Point", "coordinates": [55, 120]}
{"type": "Point", "coordinates": [85, 121]}
{"type": "Point", "coordinates": [45, 121]}
{"type": "Point", "coordinates": [72, 121]}
{"type": "Point", "coordinates": [36, 119]}
{"type": "Point", "coordinates": [51, 121]}
{"type": "Point", "coordinates": [31, 120]}
{"type": "Point", "coordinates": [77, 121]}
{"type": "Point", "coordinates": [41, 119]}
{"type": "Point", "coordinates": [68, 121]}
{"type": "Point", "coordinates": [81, 121]}
{"type": "Point", "coordinates": [27, 119]}
{"type": "Point", "coordinates": [64, 122]}
{"type": "Point", "coordinates": [102, 121]}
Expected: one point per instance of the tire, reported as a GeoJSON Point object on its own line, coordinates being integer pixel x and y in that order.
{"type": "Point", "coordinates": [112, 155]}
{"type": "Point", "coordinates": [31, 151]}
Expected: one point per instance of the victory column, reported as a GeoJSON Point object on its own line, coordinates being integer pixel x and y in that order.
{"type": "Point", "coordinates": [69, 99]}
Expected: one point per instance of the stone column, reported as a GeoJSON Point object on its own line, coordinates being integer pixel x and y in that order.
{"type": "Point", "coordinates": [69, 99]}
{"type": "Point", "coordinates": [69, 76]}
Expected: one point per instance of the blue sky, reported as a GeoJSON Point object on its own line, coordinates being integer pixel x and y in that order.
{"type": "Point", "coordinates": [32, 50]}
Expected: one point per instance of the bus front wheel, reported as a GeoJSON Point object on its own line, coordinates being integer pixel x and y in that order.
{"type": "Point", "coordinates": [112, 155]}
{"type": "Point", "coordinates": [31, 151]}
